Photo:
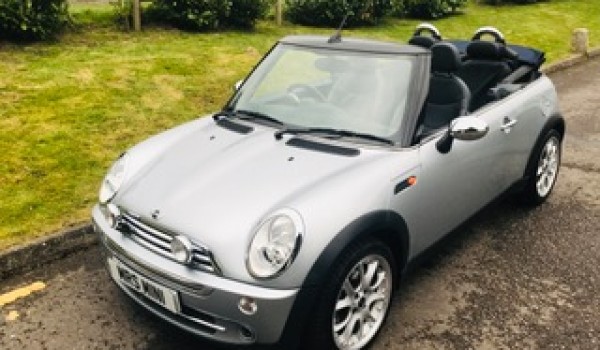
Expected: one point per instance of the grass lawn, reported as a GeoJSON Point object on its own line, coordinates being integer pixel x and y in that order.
{"type": "Point", "coordinates": [69, 108]}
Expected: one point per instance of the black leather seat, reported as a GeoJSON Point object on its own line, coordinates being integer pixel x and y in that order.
{"type": "Point", "coordinates": [486, 65]}
{"type": "Point", "coordinates": [448, 96]}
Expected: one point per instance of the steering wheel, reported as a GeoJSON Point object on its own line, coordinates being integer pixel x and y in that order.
{"type": "Point", "coordinates": [296, 90]}
{"type": "Point", "coordinates": [494, 32]}
{"type": "Point", "coordinates": [429, 28]}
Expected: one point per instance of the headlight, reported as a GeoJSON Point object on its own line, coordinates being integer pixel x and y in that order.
{"type": "Point", "coordinates": [275, 244]}
{"type": "Point", "coordinates": [113, 180]}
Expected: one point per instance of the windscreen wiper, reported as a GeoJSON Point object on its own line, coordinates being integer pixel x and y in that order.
{"type": "Point", "coordinates": [332, 133]}
{"type": "Point", "coordinates": [245, 115]}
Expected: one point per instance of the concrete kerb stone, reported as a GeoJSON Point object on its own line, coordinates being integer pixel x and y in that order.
{"type": "Point", "coordinates": [571, 61]}
{"type": "Point", "coordinates": [59, 245]}
{"type": "Point", "coordinates": [45, 250]}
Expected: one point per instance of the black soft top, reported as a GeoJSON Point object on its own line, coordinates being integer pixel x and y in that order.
{"type": "Point", "coordinates": [352, 44]}
{"type": "Point", "coordinates": [527, 55]}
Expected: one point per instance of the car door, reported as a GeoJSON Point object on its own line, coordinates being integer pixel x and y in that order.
{"type": "Point", "coordinates": [522, 116]}
{"type": "Point", "coordinates": [453, 186]}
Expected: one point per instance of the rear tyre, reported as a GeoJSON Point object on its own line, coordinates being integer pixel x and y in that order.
{"type": "Point", "coordinates": [355, 300]}
{"type": "Point", "coordinates": [544, 172]}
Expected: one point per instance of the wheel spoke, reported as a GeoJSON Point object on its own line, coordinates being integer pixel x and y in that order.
{"type": "Point", "coordinates": [368, 276]}
{"type": "Point", "coordinates": [540, 169]}
{"type": "Point", "coordinates": [343, 304]}
{"type": "Point", "coordinates": [348, 332]}
{"type": "Point", "coordinates": [340, 326]}
{"type": "Point", "coordinates": [374, 298]}
{"type": "Point", "coordinates": [348, 288]}
{"type": "Point", "coordinates": [381, 277]}
{"type": "Point", "coordinates": [540, 185]}
{"type": "Point", "coordinates": [372, 315]}
{"type": "Point", "coordinates": [353, 283]}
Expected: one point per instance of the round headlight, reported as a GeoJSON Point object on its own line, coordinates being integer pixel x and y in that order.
{"type": "Point", "coordinates": [275, 244]}
{"type": "Point", "coordinates": [113, 180]}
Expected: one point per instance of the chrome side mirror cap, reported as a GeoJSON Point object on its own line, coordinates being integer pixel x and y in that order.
{"type": "Point", "coordinates": [468, 128]}
{"type": "Point", "coordinates": [464, 129]}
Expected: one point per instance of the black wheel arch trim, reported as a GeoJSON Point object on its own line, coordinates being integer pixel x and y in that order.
{"type": "Point", "coordinates": [556, 122]}
{"type": "Point", "coordinates": [386, 225]}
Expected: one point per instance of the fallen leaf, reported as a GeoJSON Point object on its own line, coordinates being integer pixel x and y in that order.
{"type": "Point", "coordinates": [12, 315]}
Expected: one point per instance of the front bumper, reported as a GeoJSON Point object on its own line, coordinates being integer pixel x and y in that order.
{"type": "Point", "coordinates": [209, 303]}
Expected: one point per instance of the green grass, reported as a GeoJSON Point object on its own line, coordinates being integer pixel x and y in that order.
{"type": "Point", "coordinates": [67, 109]}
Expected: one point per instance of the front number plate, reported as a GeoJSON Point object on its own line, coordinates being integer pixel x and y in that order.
{"type": "Point", "coordinates": [161, 295]}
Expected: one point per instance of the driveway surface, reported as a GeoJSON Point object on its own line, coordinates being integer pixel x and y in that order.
{"type": "Point", "coordinates": [511, 279]}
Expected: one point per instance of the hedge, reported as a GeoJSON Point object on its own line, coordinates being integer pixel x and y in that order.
{"type": "Point", "coordinates": [428, 9]}
{"type": "Point", "coordinates": [199, 15]}
{"type": "Point", "coordinates": [31, 20]}
{"type": "Point", "coordinates": [331, 12]}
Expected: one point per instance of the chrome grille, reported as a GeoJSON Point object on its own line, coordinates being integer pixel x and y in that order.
{"type": "Point", "coordinates": [160, 242]}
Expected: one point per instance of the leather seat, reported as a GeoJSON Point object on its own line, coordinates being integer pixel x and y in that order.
{"type": "Point", "coordinates": [423, 41]}
{"type": "Point", "coordinates": [448, 96]}
{"type": "Point", "coordinates": [486, 65]}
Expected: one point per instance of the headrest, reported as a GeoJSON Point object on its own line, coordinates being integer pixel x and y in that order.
{"type": "Point", "coordinates": [487, 50]}
{"type": "Point", "coordinates": [422, 41]}
{"type": "Point", "coordinates": [445, 58]}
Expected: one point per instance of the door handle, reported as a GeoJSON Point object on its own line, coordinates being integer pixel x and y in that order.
{"type": "Point", "coordinates": [507, 124]}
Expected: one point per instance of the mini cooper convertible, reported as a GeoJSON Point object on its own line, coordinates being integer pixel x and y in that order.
{"type": "Point", "coordinates": [290, 216]}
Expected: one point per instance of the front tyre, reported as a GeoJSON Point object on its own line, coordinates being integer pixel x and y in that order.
{"type": "Point", "coordinates": [543, 174]}
{"type": "Point", "coordinates": [356, 300]}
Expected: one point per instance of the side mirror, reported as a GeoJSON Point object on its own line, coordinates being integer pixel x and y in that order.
{"type": "Point", "coordinates": [465, 129]}
{"type": "Point", "coordinates": [468, 128]}
{"type": "Point", "coordinates": [238, 85]}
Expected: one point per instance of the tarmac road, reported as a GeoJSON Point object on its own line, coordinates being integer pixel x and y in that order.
{"type": "Point", "coordinates": [512, 279]}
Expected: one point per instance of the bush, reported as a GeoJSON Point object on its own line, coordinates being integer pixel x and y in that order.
{"type": "Point", "coordinates": [331, 12]}
{"type": "Point", "coordinates": [428, 8]}
{"type": "Point", "coordinates": [191, 14]}
{"type": "Point", "coordinates": [199, 15]}
{"type": "Point", "coordinates": [30, 20]}
{"type": "Point", "coordinates": [244, 13]}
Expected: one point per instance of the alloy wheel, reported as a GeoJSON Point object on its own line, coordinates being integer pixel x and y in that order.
{"type": "Point", "coordinates": [362, 302]}
{"type": "Point", "coordinates": [548, 164]}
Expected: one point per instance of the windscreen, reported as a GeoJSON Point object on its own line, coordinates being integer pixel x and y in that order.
{"type": "Point", "coordinates": [322, 88]}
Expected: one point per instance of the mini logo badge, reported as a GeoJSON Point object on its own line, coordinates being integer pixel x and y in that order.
{"type": "Point", "coordinates": [155, 214]}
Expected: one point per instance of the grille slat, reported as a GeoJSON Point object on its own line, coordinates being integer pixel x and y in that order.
{"type": "Point", "coordinates": [151, 239]}
{"type": "Point", "coordinates": [160, 242]}
{"type": "Point", "coordinates": [147, 229]}
{"type": "Point", "coordinates": [202, 258]}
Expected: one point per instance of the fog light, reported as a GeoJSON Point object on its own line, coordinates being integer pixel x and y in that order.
{"type": "Point", "coordinates": [247, 306]}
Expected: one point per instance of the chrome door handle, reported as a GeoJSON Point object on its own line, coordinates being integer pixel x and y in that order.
{"type": "Point", "coordinates": [507, 124]}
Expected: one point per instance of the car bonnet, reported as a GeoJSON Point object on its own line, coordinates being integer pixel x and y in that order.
{"type": "Point", "coordinates": [216, 185]}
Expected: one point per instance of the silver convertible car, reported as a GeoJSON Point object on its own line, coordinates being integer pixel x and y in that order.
{"type": "Point", "coordinates": [289, 217]}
